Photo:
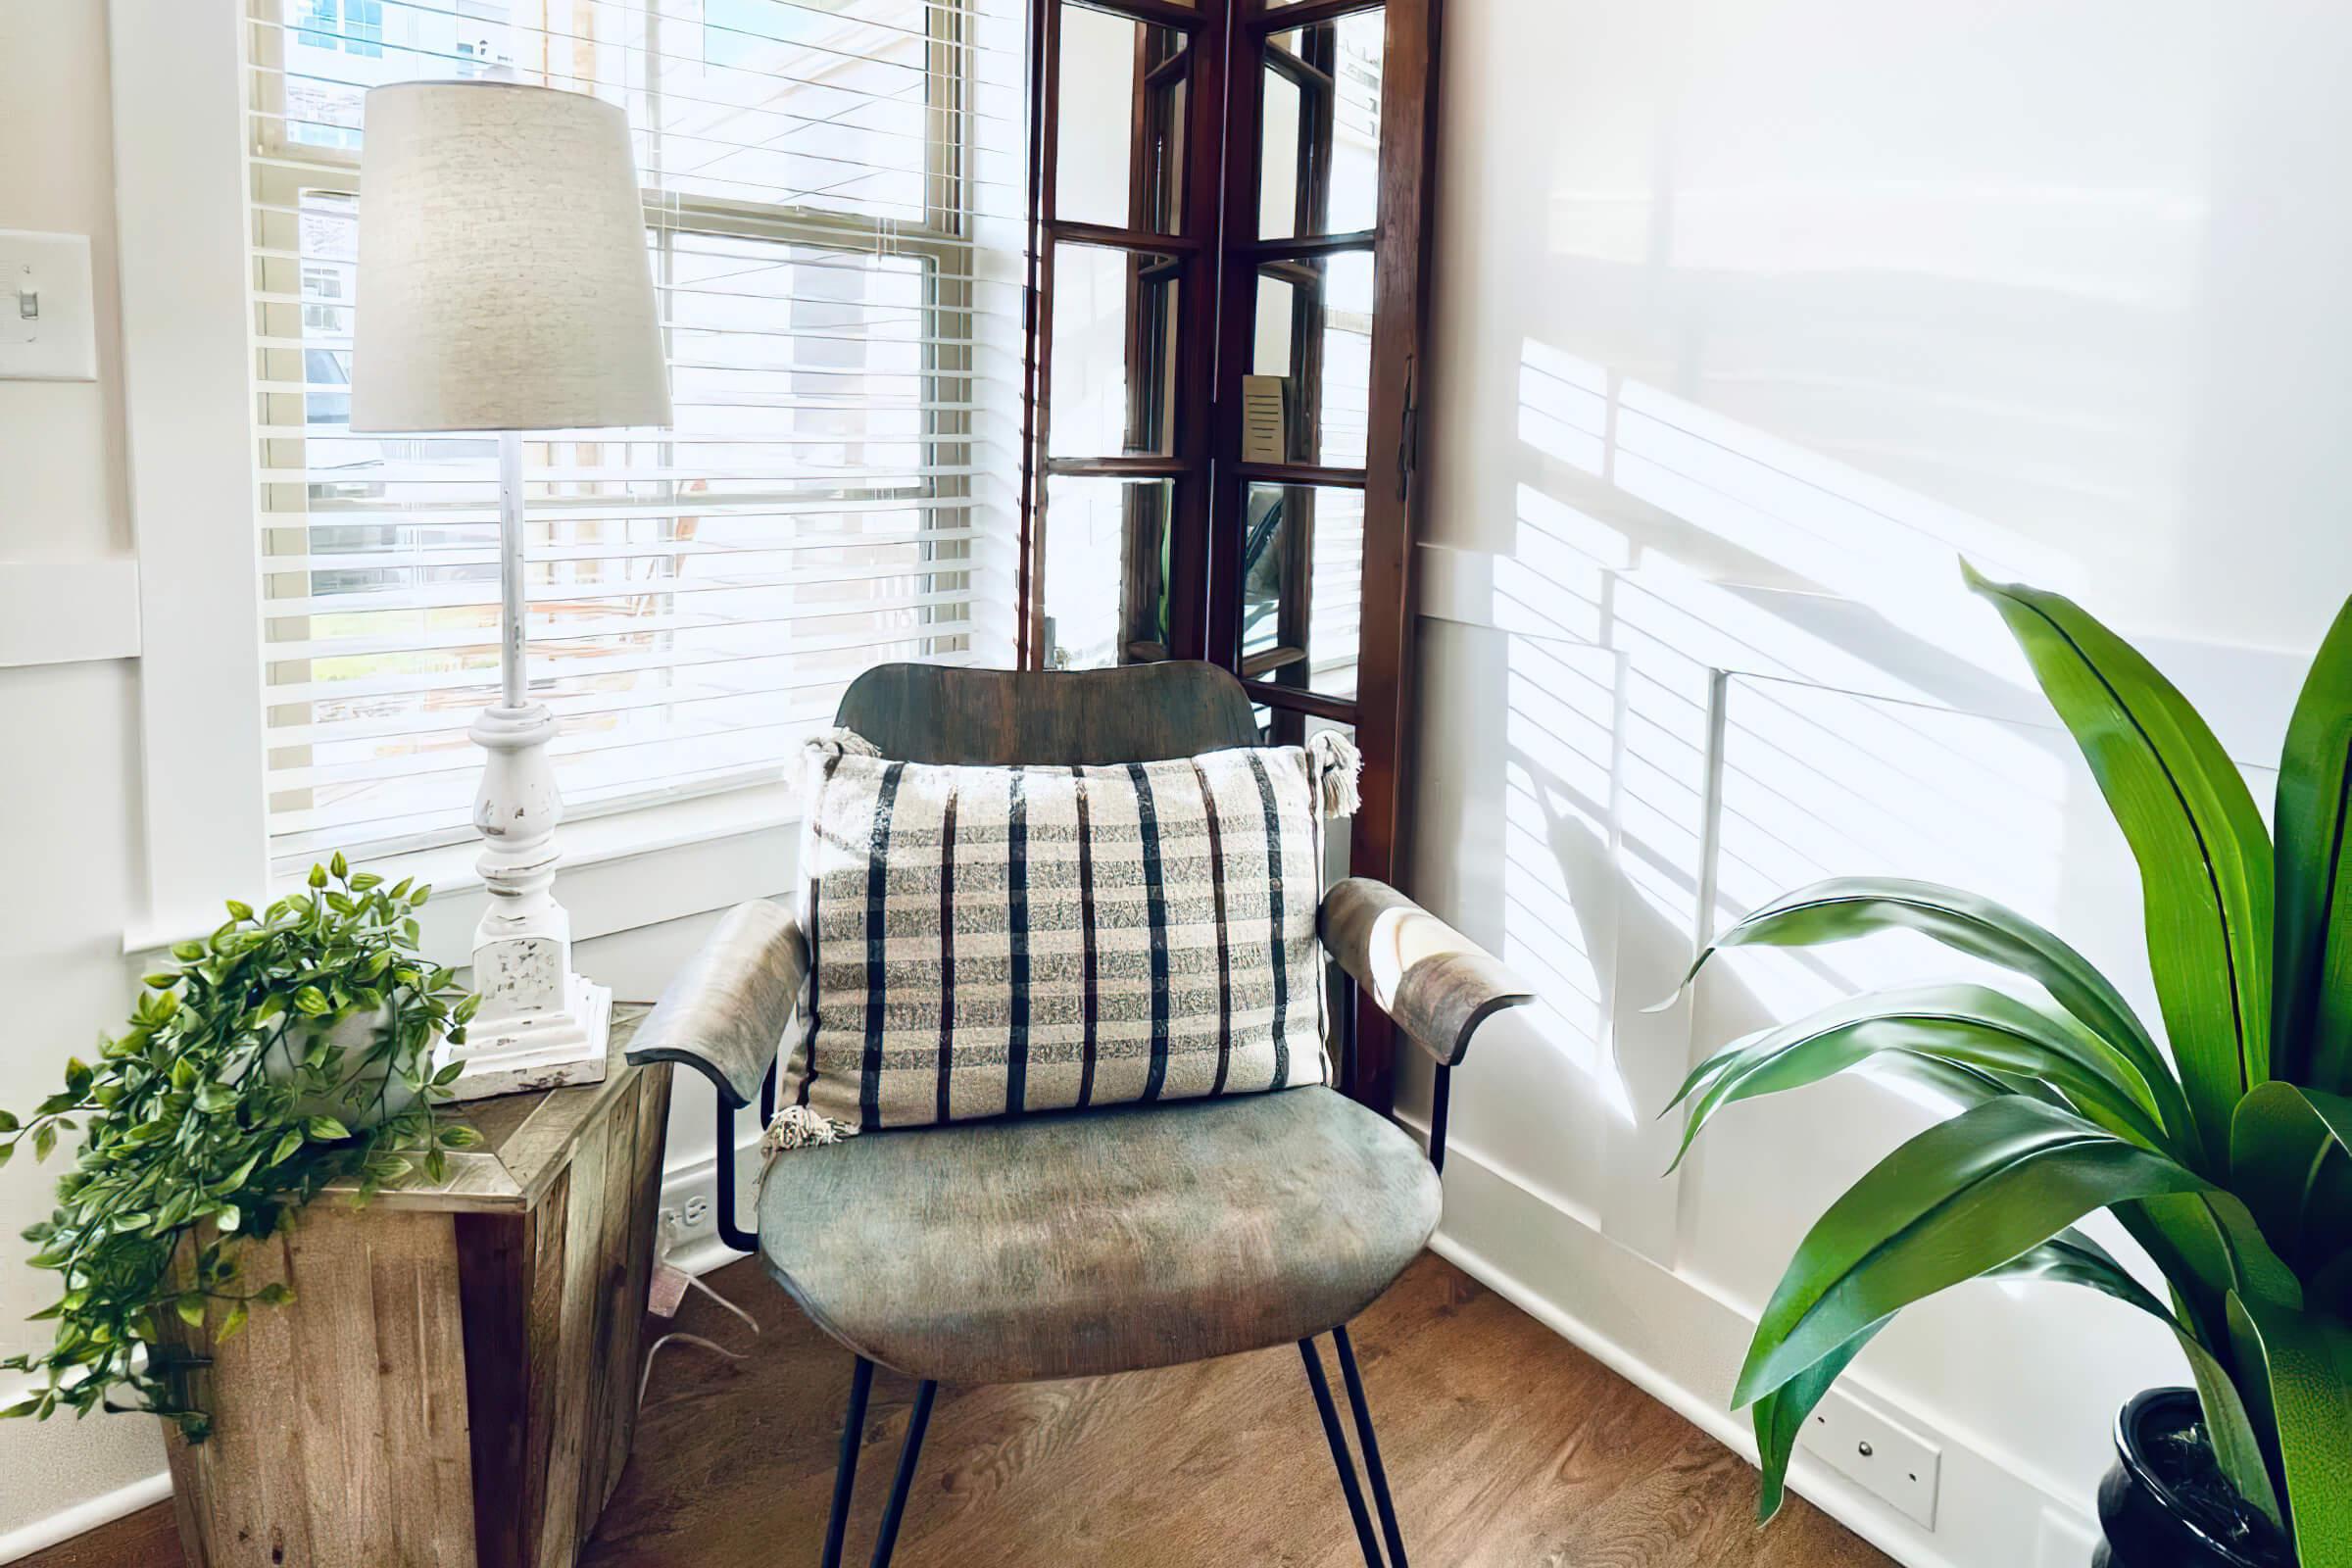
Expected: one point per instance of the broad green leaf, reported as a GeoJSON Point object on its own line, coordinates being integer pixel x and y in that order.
{"type": "Point", "coordinates": [2208, 1245]}
{"type": "Point", "coordinates": [2074, 1258]}
{"type": "Point", "coordinates": [1972, 1026]}
{"type": "Point", "coordinates": [1780, 1418]}
{"type": "Point", "coordinates": [2297, 1373]}
{"type": "Point", "coordinates": [2068, 1257]}
{"type": "Point", "coordinates": [2311, 1014]}
{"type": "Point", "coordinates": [1842, 908]}
{"type": "Point", "coordinates": [2290, 1152]}
{"type": "Point", "coordinates": [2237, 1447]}
{"type": "Point", "coordinates": [2204, 856]}
{"type": "Point", "coordinates": [1963, 1197]}
{"type": "Point", "coordinates": [2071, 1257]}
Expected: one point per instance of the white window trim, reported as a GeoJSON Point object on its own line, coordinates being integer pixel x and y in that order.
{"type": "Point", "coordinates": [180, 126]}
{"type": "Point", "coordinates": [187, 406]}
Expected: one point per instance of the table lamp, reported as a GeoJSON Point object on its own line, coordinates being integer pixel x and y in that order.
{"type": "Point", "coordinates": [504, 288]}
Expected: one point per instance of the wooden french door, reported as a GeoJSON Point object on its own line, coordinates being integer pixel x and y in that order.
{"type": "Point", "coordinates": [1230, 210]}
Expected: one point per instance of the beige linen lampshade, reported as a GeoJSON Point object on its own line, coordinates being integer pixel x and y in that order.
{"type": "Point", "coordinates": [503, 276]}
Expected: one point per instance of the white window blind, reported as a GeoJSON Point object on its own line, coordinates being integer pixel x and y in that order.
{"type": "Point", "coordinates": [833, 196]}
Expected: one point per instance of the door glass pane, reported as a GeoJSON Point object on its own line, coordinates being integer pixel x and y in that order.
{"type": "Point", "coordinates": [1309, 389]}
{"type": "Point", "coordinates": [1303, 579]}
{"type": "Point", "coordinates": [1319, 169]}
{"type": "Point", "coordinates": [1113, 373]}
{"type": "Point", "coordinates": [1118, 150]}
{"type": "Point", "coordinates": [1106, 572]}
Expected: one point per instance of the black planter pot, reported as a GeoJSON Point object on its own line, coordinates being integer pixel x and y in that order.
{"type": "Point", "coordinates": [2163, 1504]}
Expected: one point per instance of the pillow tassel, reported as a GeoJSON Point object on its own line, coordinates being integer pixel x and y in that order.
{"type": "Point", "coordinates": [799, 1127]}
{"type": "Point", "coordinates": [848, 742]}
{"type": "Point", "coordinates": [1335, 762]}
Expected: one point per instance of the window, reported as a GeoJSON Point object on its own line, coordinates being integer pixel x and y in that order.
{"type": "Point", "coordinates": [832, 213]}
{"type": "Point", "coordinates": [355, 26]}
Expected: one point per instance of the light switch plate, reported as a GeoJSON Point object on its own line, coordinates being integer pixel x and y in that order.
{"type": "Point", "coordinates": [47, 330]}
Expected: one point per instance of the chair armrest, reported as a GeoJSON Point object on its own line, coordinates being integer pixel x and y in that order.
{"type": "Point", "coordinates": [1435, 983]}
{"type": "Point", "coordinates": [725, 1014]}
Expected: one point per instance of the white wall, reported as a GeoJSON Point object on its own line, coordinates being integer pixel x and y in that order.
{"type": "Point", "coordinates": [1749, 319]}
{"type": "Point", "coordinates": [68, 784]}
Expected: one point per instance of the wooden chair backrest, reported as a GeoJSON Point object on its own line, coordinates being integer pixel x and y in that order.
{"type": "Point", "coordinates": [1048, 718]}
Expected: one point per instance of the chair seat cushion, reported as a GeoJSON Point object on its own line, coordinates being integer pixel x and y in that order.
{"type": "Point", "coordinates": [1074, 1245]}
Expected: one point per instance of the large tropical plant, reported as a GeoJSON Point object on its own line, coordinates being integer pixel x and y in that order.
{"type": "Point", "coordinates": [2231, 1162]}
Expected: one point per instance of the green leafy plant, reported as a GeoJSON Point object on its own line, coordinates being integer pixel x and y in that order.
{"type": "Point", "coordinates": [286, 1053]}
{"type": "Point", "coordinates": [2231, 1162]}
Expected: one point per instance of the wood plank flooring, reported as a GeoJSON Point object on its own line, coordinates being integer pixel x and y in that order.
{"type": "Point", "coordinates": [1507, 1446]}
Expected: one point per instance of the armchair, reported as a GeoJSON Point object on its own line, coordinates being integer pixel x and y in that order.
{"type": "Point", "coordinates": [1059, 1245]}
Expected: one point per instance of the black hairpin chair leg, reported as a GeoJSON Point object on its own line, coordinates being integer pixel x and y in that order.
{"type": "Point", "coordinates": [903, 1482]}
{"type": "Point", "coordinates": [1370, 1444]}
{"type": "Point", "coordinates": [845, 1469]}
{"type": "Point", "coordinates": [1354, 1489]}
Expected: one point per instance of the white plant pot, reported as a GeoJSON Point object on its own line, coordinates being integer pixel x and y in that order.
{"type": "Point", "coordinates": [355, 1034]}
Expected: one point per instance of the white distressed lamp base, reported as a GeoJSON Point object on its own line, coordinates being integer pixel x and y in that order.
{"type": "Point", "coordinates": [533, 1051]}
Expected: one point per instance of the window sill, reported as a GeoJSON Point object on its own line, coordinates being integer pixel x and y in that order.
{"type": "Point", "coordinates": [620, 871]}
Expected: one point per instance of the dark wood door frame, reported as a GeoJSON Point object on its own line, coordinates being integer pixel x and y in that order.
{"type": "Point", "coordinates": [1218, 254]}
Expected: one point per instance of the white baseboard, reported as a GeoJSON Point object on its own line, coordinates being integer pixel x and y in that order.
{"type": "Point", "coordinates": [1680, 1343]}
{"type": "Point", "coordinates": [66, 1523]}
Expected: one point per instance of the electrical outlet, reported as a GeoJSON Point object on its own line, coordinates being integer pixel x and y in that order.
{"type": "Point", "coordinates": [1889, 1460]}
{"type": "Point", "coordinates": [698, 1212]}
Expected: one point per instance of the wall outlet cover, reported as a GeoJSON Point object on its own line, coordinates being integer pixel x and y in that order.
{"type": "Point", "coordinates": [1886, 1458]}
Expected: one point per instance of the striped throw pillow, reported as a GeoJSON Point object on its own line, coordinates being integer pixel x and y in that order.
{"type": "Point", "coordinates": [989, 941]}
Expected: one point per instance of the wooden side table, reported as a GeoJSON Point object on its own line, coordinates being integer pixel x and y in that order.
{"type": "Point", "coordinates": [455, 1383]}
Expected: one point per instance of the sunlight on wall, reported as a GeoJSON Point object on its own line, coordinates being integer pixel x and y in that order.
{"type": "Point", "coordinates": [1819, 783]}
{"type": "Point", "coordinates": [1819, 519]}
{"type": "Point", "coordinates": [1560, 722]}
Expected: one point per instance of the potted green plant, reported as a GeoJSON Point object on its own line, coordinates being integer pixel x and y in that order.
{"type": "Point", "coordinates": [284, 1054]}
{"type": "Point", "coordinates": [2228, 1161]}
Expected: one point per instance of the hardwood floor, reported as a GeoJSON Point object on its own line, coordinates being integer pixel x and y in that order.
{"type": "Point", "coordinates": [1506, 1446]}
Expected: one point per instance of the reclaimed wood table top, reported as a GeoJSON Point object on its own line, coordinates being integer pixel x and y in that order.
{"type": "Point", "coordinates": [527, 1140]}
